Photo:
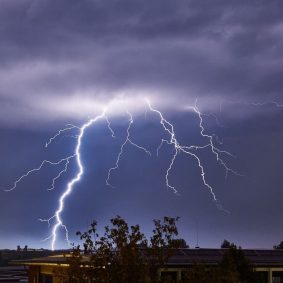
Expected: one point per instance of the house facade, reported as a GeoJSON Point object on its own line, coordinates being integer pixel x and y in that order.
{"type": "Point", "coordinates": [268, 264]}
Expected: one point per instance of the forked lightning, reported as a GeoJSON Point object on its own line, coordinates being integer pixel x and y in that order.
{"type": "Point", "coordinates": [168, 127]}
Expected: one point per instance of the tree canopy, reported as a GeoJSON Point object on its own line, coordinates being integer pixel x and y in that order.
{"type": "Point", "coordinates": [226, 244]}
{"type": "Point", "coordinates": [279, 246]}
{"type": "Point", "coordinates": [236, 267]}
{"type": "Point", "coordinates": [123, 253]}
{"type": "Point", "coordinates": [233, 268]}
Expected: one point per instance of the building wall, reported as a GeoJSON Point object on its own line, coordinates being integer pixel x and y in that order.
{"type": "Point", "coordinates": [272, 274]}
{"type": "Point", "coordinates": [44, 273]}
{"type": "Point", "coordinates": [33, 274]}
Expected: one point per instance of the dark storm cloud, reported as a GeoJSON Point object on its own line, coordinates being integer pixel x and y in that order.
{"type": "Point", "coordinates": [225, 50]}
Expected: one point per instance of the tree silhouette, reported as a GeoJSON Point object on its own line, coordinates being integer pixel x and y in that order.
{"type": "Point", "coordinates": [235, 267]}
{"type": "Point", "coordinates": [226, 244]}
{"type": "Point", "coordinates": [122, 254]}
{"type": "Point", "coordinates": [279, 247]}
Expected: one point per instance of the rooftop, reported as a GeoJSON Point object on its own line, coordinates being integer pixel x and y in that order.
{"type": "Point", "coordinates": [183, 257]}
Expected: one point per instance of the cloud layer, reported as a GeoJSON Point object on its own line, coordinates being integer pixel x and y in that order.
{"type": "Point", "coordinates": [173, 51]}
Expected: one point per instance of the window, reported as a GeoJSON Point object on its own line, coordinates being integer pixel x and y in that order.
{"type": "Point", "coordinates": [277, 277]}
{"type": "Point", "coordinates": [44, 278]}
{"type": "Point", "coordinates": [261, 277]}
{"type": "Point", "coordinates": [169, 276]}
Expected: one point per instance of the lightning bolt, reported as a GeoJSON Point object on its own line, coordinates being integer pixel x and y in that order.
{"type": "Point", "coordinates": [109, 127]}
{"type": "Point", "coordinates": [44, 162]}
{"type": "Point", "coordinates": [171, 141]}
{"type": "Point", "coordinates": [256, 104]}
{"type": "Point", "coordinates": [274, 103]}
{"type": "Point", "coordinates": [188, 150]}
{"type": "Point", "coordinates": [60, 174]}
{"type": "Point", "coordinates": [68, 127]}
{"type": "Point", "coordinates": [70, 185]}
{"type": "Point", "coordinates": [216, 151]}
{"type": "Point", "coordinates": [126, 141]}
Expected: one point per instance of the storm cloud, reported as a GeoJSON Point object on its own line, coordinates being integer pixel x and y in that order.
{"type": "Point", "coordinates": [170, 50]}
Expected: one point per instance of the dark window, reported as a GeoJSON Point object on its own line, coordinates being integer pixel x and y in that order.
{"type": "Point", "coordinates": [277, 277]}
{"type": "Point", "coordinates": [169, 276]}
{"type": "Point", "coordinates": [44, 278]}
{"type": "Point", "coordinates": [262, 277]}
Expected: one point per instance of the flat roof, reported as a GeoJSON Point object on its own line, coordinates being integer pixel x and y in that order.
{"type": "Point", "coordinates": [257, 257]}
{"type": "Point", "coordinates": [182, 257]}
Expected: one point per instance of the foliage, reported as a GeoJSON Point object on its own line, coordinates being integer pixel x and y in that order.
{"type": "Point", "coordinates": [123, 254]}
{"type": "Point", "coordinates": [279, 247]}
{"type": "Point", "coordinates": [226, 244]}
{"type": "Point", "coordinates": [200, 273]}
{"type": "Point", "coordinates": [181, 243]}
{"type": "Point", "coordinates": [235, 267]}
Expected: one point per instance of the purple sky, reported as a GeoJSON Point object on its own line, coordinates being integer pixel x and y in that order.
{"type": "Point", "coordinates": [62, 61]}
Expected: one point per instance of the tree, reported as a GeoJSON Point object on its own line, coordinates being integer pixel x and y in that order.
{"type": "Point", "coordinates": [226, 244]}
{"type": "Point", "coordinates": [235, 267]}
{"type": "Point", "coordinates": [201, 273]}
{"type": "Point", "coordinates": [279, 247]}
{"type": "Point", "coordinates": [122, 254]}
{"type": "Point", "coordinates": [181, 243]}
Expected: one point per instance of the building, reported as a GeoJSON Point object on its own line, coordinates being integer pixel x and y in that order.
{"type": "Point", "coordinates": [267, 263]}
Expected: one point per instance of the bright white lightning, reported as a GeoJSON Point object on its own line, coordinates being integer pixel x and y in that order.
{"type": "Point", "coordinates": [66, 160]}
{"type": "Point", "coordinates": [172, 141]}
{"type": "Point", "coordinates": [70, 185]}
{"type": "Point", "coordinates": [213, 148]}
{"type": "Point", "coordinates": [60, 174]}
{"type": "Point", "coordinates": [169, 128]}
{"type": "Point", "coordinates": [68, 127]}
{"type": "Point", "coordinates": [109, 127]}
{"type": "Point", "coordinates": [127, 140]}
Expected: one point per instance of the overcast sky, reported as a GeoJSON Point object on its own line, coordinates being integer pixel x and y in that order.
{"type": "Point", "coordinates": [63, 61]}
